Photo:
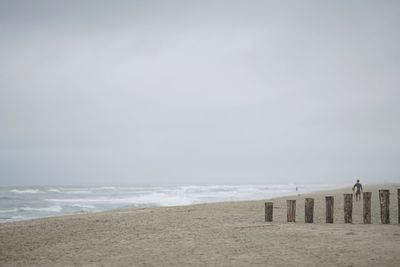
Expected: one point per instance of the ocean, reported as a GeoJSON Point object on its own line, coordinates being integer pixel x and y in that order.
{"type": "Point", "coordinates": [24, 203]}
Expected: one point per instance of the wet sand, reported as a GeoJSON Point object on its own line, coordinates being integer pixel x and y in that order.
{"type": "Point", "coordinates": [218, 234]}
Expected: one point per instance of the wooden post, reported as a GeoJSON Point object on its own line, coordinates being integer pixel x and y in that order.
{"type": "Point", "coordinates": [309, 210]}
{"type": "Point", "coordinates": [367, 207]}
{"type": "Point", "coordinates": [384, 200]}
{"type": "Point", "coordinates": [348, 208]}
{"type": "Point", "coordinates": [398, 200]}
{"type": "Point", "coordinates": [291, 210]}
{"type": "Point", "coordinates": [329, 209]}
{"type": "Point", "coordinates": [269, 206]}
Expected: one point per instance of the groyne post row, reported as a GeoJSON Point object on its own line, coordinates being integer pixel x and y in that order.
{"type": "Point", "coordinates": [384, 200]}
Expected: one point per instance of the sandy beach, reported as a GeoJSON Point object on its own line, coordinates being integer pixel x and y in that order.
{"type": "Point", "coordinates": [217, 234]}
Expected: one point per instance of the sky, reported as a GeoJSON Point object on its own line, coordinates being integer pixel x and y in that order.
{"type": "Point", "coordinates": [199, 92]}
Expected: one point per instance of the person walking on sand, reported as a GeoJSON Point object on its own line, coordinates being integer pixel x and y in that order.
{"type": "Point", "coordinates": [359, 189]}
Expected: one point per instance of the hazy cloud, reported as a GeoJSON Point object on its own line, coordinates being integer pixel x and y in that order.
{"type": "Point", "coordinates": [128, 92]}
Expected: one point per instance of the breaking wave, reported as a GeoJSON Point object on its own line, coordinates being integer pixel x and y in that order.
{"type": "Point", "coordinates": [28, 203]}
{"type": "Point", "coordinates": [45, 209]}
{"type": "Point", "coordinates": [25, 191]}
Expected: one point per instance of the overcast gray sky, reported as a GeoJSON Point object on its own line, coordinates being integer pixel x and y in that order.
{"type": "Point", "coordinates": [166, 92]}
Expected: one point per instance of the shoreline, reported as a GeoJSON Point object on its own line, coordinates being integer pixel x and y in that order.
{"type": "Point", "coordinates": [220, 196]}
{"type": "Point", "coordinates": [222, 233]}
{"type": "Point", "coordinates": [294, 196]}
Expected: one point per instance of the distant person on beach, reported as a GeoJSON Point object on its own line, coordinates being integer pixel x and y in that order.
{"type": "Point", "coordinates": [358, 189]}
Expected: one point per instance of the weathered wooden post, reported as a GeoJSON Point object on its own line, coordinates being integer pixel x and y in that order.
{"type": "Point", "coordinates": [309, 210]}
{"type": "Point", "coordinates": [398, 200]}
{"type": "Point", "coordinates": [367, 207]}
{"type": "Point", "coordinates": [291, 210]}
{"type": "Point", "coordinates": [269, 206]}
{"type": "Point", "coordinates": [348, 208]}
{"type": "Point", "coordinates": [385, 202]}
{"type": "Point", "coordinates": [329, 209]}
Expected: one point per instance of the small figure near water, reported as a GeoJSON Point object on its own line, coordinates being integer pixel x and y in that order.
{"type": "Point", "coordinates": [359, 189]}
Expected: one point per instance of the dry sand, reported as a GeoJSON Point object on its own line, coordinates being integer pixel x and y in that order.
{"type": "Point", "coordinates": [220, 234]}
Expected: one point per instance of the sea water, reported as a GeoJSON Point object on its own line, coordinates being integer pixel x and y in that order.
{"type": "Point", "coordinates": [23, 203]}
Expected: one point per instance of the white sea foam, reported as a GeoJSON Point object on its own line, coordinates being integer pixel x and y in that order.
{"type": "Point", "coordinates": [69, 191]}
{"type": "Point", "coordinates": [66, 200]}
{"type": "Point", "coordinates": [78, 192]}
{"type": "Point", "coordinates": [54, 190]}
{"type": "Point", "coordinates": [159, 199]}
{"type": "Point", "coordinates": [25, 191]}
{"type": "Point", "coordinates": [83, 206]}
{"type": "Point", "coordinates": [186, 195]}
{"type": "Point", "coordinates": [46, 209]}
{"type": "Point", "coordinates": [17, 218]}
{"type": "Point", "coordinates": [8, 211]}
{"type": "Point", "coordinates": [108, 188]}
